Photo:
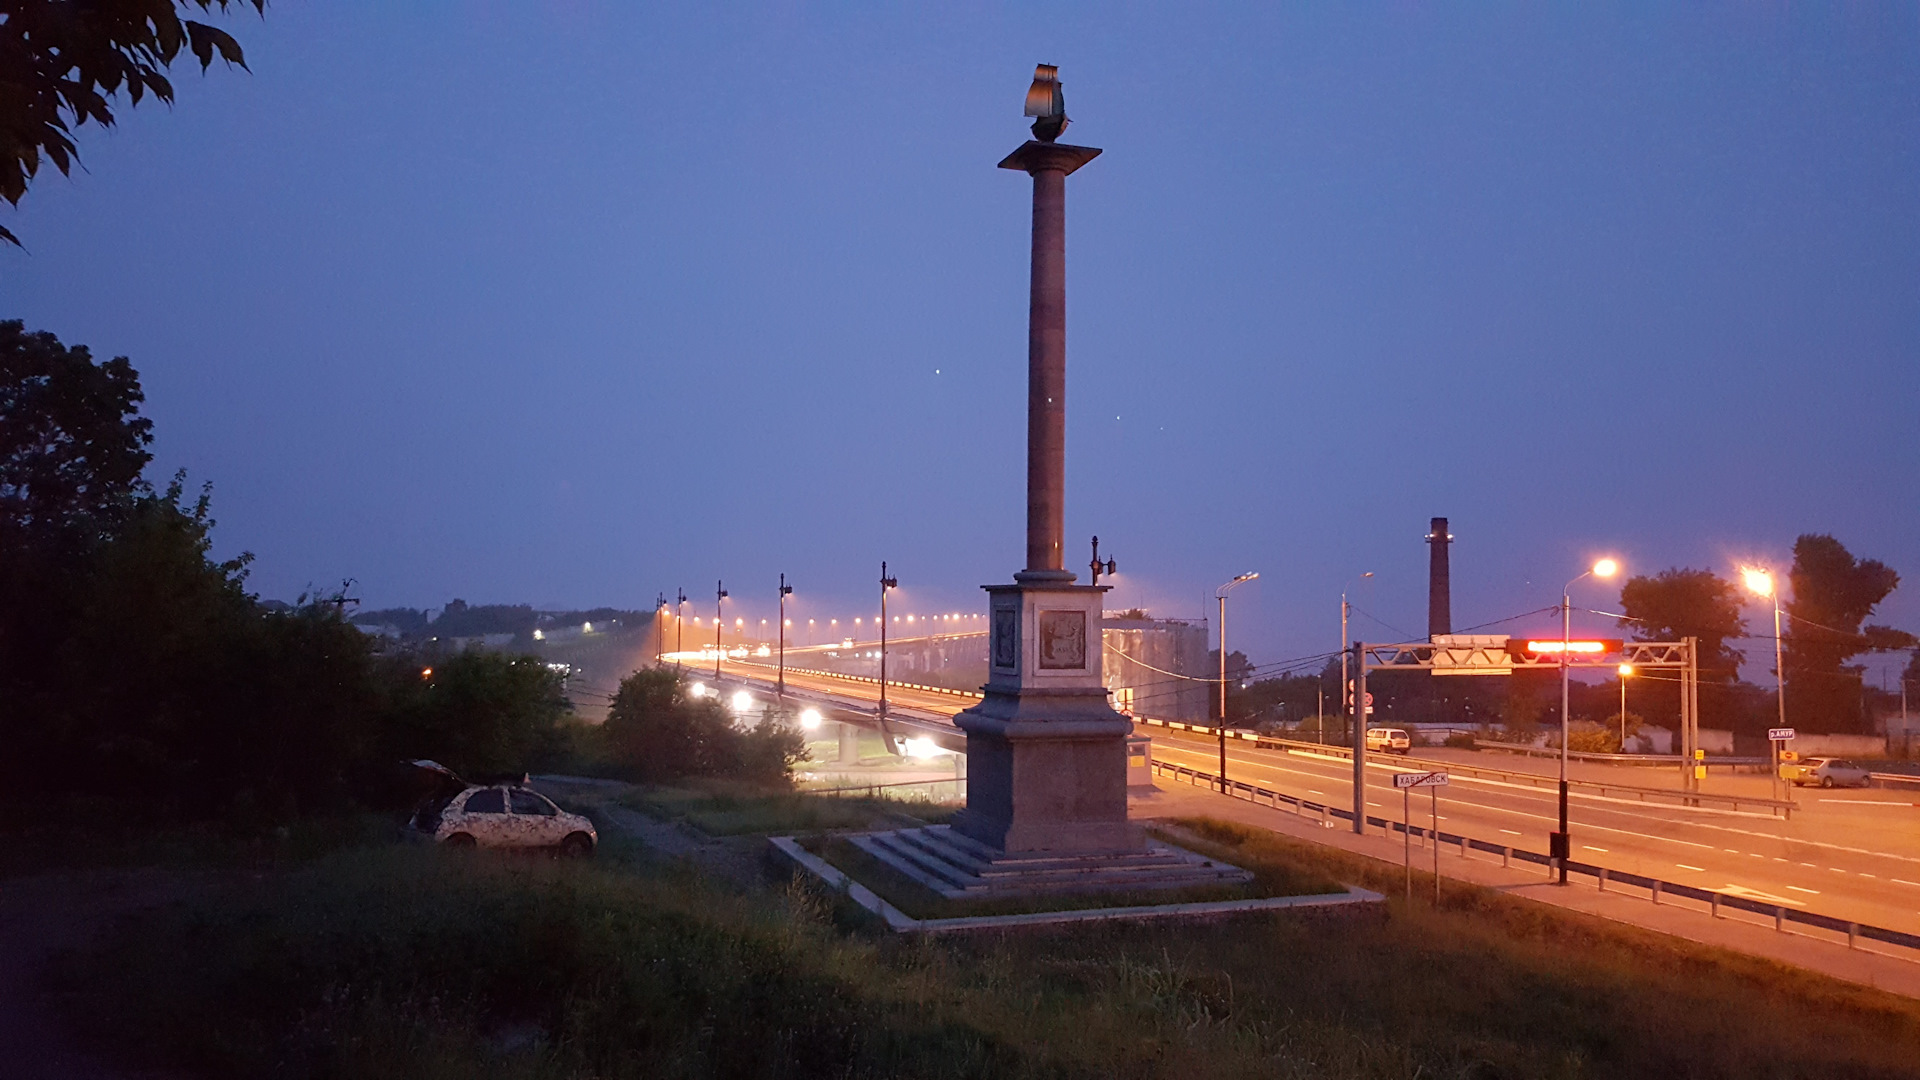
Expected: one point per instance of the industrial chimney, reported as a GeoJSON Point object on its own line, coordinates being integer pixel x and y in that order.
{"type": "Point", "coordinates": [1439, 581]}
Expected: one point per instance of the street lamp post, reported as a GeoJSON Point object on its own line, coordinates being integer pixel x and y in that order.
{"type": "Point", "coordinates": [886, 582]}
{"type": "Point", "coordinates": [786, 590]}
{"type": "Point", "coordinates": [1561, 847]}
{"type": "Point", "coordinates": [1220, 594]}
{"type": "Point", "coordinates": [679, 626]}
{"type": "Point", "coordinates": [1760, 582]}
{"type": "Point", "coordinates": [1625, 670]}
{"type": "Point", "coordinates": [719, 595]}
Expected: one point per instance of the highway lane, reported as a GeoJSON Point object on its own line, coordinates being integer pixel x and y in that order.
{"type": "Point", "coordinates": [1811, 862]}
{"type": "Point", "coordinates": [1851, 855]}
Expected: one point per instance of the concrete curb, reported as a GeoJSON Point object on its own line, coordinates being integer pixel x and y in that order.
{"type": "Point", "coordinates": [900, 922]}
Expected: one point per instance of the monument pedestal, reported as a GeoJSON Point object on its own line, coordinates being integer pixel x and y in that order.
{"type": "Point", "coordinates": [1046, 753]}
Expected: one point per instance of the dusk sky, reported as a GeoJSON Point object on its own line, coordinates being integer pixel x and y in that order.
{"type": "Point", "coordinates": [575, 303]}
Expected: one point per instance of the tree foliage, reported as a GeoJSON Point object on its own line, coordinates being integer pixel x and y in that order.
{"type": "Point", "coordinates": [657, 731]}
{"type": "Point", "coordinates": [136, 669]}
{"type": "Point", "coordinates": [72, 442]}
{"type": "Point", "coordinates": [1833, 594]}
{"type": "Point", "coordinates": [63, 62]}
{"type": "Point", "coordinates": [1676, 604]}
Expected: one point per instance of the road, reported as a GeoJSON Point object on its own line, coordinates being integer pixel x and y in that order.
{"type": "Point", "coordinates": [1853, 855]}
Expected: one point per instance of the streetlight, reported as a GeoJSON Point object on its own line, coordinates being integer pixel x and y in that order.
{"type": "Point", "coordinates": [886, 583]}
{"type": "Point", "coordinates": [786, 590]}
{"type": "Point", "coordinates": [1220, 594]}
{"type": "Point", "coordinates": [1561, 848]}
{"type": "Point", "coordinates": [1760, 583]}
{"type": "Point", "coordinates": [720, 594]}
{"type": "Point", "coordinates": [1625, 671]}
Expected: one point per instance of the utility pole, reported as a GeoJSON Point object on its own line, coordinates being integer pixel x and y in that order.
{"type": "Point", "coordinates": [1358, 711]}
{"type": "Point", "coordinates": [786, 590]}
{"type": "Point", "coordinates": [1346, 679]}
{"type": "Point", "coordinates": [720, 594]}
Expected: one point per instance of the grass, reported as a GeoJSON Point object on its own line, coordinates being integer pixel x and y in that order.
{"type": "Point", "coordinates": [398, 961]}
{"type": "Point", "coordinates": [1272, 878]}
{"type": "Point", "coordinates": [723, 808]}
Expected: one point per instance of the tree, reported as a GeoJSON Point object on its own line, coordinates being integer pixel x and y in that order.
{"type": "Point", "coordinates": [1676, 604]}
{"type": "Point", "coordinates": [63, 61]}
{"type": "Point", "coordinates": [72, 442]}
{"type": "Point", "coordinates": [1833, 593]}
{"type": "Point", "coordinates": [656, 731]}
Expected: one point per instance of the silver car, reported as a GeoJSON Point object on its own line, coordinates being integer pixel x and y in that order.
{"type": "Point", "coordinates": [1830, 772]}
{"type": "Point", "coordinates": [502, 816]}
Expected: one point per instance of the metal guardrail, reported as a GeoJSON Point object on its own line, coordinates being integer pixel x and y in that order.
{"type": "Point", "coordinates": [1687, 798]}
{"type": "Point", "coordinates": [1722, 761]}
{"type": "Point", "coordinates": [1603, 876]}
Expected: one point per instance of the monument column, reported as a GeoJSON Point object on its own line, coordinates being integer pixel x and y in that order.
{"type": "Point", "coordinates": [1047, 367]}
{"type": "Point", "coordinates": [1046, 753]}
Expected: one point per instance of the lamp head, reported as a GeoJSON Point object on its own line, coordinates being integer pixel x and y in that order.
{"type": "Point", "coordinates": [1759, 582]}
{"type": "Point", "coordinates": [1605, 568]}
{"type": "Point", "coordinates": [1046, 102]}
{"type": "Point", "coordinates": [1626, 669]}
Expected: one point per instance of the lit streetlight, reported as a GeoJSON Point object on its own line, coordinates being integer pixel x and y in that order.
{"type": "Point", "coordinates": [1760, 582]}
{"type": "Point", "coordinates": [1561, 847]}
{"type": "Point", "coordinates": [1220, 594]}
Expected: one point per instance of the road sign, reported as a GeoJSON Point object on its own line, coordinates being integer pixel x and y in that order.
{"type": "Point", "coordinates": [1370, 702]}
{"type": "Point", "coordinates": [1419, 779]}
{"type": "Point", "coordinates": [1780, 734]}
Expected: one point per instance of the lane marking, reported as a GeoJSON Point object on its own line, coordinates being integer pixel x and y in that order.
{"type": "Point", "coordinates": [1756, 855]}
{"type": "Point", "coordinates": [1809, 866]}
{"type": "Point", "coordinates": [1730, 851]}
{"type": "Point", "coordinates": [1836, 870]}
{"type": "Point", "coordinates": [1590, 847]}
{"type": "Point", "coordinates": [1777, 858]}
{"type": "Point", "coordinates": [1311, 791]}
{"type": "Point", "coordinates": [1796, 888]}
{"type": "Point", "coordinates": [1915, 884]}
{"type": "Point", "coordinates": [1869, 802]}
{"type": "Point", "coordinates": [1763, 897]}
{"type": "Point", "coordinates": [1695, 869]}
{"type": "Point", "coordinates": [1863, 873]}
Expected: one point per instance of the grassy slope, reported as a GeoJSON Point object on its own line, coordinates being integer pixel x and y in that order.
{"type": "Point", "coordinates": [402, 962]}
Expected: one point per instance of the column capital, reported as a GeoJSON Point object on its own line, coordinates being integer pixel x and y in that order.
{"type": "Point", "coordinates": [1034, 156]}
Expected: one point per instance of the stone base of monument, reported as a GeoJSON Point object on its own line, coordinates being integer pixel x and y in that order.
{"type": "Point", "coordinates": [955, 866]}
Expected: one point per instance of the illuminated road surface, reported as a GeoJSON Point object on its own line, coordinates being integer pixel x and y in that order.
{"type": "Point", "coordinates": [1850, 854]}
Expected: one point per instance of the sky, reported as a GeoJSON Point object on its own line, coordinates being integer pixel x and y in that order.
{"type": "Point", "coordinates": [576, 303]}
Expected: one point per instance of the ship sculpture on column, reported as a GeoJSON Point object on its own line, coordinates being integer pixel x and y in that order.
{"type": "Point", "coordinates": [1046, 753]}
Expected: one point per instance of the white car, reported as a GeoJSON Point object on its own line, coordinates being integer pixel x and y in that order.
{"type": "Point", "coordinates": [502, 816]}
{"type": "Point", "coordinates": [1388, 741]}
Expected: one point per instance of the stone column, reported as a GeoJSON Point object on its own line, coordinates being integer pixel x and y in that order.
{"type": "Point", "coordinates": [1049, 164]}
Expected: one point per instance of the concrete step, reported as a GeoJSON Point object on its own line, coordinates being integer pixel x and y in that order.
{"type": "Point", "coordinates": [937, 883]}
{"type": "Point", "coordinates": [902, 844]}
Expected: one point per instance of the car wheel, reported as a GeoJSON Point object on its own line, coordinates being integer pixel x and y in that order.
{"type": "Point", "coordinates": [1826, 781]}
{"type": "Point", "coordinates": [460, 840]}
{"type": "Point", "coordinates": [577, 846]}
